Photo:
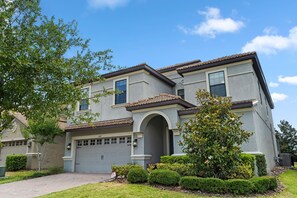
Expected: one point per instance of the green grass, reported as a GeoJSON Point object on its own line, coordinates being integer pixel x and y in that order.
{"type": "Point", "coordinates": [113, 189]}
{"type": "Point", "coordinates": [22, 175]}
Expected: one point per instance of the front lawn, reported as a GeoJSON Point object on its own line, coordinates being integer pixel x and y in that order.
{"type": "Point", "coordinates": [113, 189]}
{"type": "Point", "coordinates": [22, 175]}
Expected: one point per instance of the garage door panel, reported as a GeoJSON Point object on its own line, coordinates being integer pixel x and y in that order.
{"type": "Point", "coordinates": [98, 158]}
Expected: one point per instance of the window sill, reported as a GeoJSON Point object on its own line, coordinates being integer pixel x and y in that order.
{"type": "Point", "coordinates": [119, 105]}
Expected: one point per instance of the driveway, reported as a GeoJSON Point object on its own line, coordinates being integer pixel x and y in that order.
{"type": "Point", "coordinates": [48, 184]}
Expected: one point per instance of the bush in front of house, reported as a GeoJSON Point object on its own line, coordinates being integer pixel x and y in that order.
{"type": "Point", "coordinates": [265, 183]}
{"type": "Point", "coordinates": [239, 186]}
{"type": "Point", "coordinates": [16, 162]}
{"type": "Point", "coordinates": [241, 172]}
{"type": "Point", "coordinates": [137, 175]}
{"type": "Point", "coordinates": [164, 177]}
{"type": "Point", "coordinates": [261, 164]}
{"type": "Point", "coordinates": [182, 169]}
{"type": "Point", "coordinates": [183, 159]}
{"type": "Point", "coordinates": [248, 159]}
{"type": "Point", "coordinates": [211, 185]}
{"type": "Point", "coordinates": [122, 171]}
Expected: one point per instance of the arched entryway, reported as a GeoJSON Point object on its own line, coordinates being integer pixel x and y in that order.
{"type": "Point", "coordinates": [158, 138]}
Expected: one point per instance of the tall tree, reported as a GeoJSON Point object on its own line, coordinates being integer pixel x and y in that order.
{"type": "Point", "coordinates": [287, 137]}
{"type": "Point", "coordinates": [43, 63]}
{"type": "Point", "coordinates": [213, 137]}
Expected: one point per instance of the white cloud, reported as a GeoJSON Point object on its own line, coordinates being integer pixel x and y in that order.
{"type": "Point", "coordinates": [214, 24]}
{"type": "Point", "coordinates": [273, 84]}
{"type": "Point", "coordinates": [276, 97]}
{"type": "Point", "coordinates": [112, 4]}
{"type": "Point", "coordinates": [288, 79]}
{"type": "Point", "coordinates": [270, 30]}
{"type": "Point", "coordinates": [271, 43]}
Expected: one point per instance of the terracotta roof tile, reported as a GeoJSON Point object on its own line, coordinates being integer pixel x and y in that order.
{"type": "Point", "coordinates": [178, 65]}
{"type": "Point", "coordinates": [105, 123]}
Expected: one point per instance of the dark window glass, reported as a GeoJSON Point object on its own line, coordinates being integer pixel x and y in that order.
{"type": "Point", "coordinates": [92, 142]}
{"type": "Point", "coordinates": [113, 140]}
{"type": "Point", "coordinates": [128, 139]}
{"type": "Point", "coordinates": [122, 140]}
{"type": "Point", "coordinates": [86, 142]}
{"type": "Point", "coordinates": [217, 84]}
{"type": "Point", "coordinates": [181, 93]}
{"type": "Point", "coordinates": [99, 141]}
{"type": "Point", "coordinates": [106, 141]}
{"type": "Point", "coordinates": [79, 143]}
{"type": "Point", "coordinates": [84, 105]}
{"type": "Point", "coordinates": [121, 86]}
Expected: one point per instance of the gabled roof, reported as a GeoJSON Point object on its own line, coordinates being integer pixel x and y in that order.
{"type": "Point", "coordinates": [176, 66]}
{"type": "Point", "coordinates": [102, 124]}
{"type": "Point", "coordinates": [235, 105]}
{"type": "Point", "coordinates": [142, 66]}
{"type": "Point", "coordinates": [160, 100]}
{"type": "Point", "coordinates": [233, 59]}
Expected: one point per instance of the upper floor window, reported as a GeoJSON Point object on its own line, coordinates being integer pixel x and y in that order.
{"type": "Point", "coordinates": [121, 87]}
{"type": "Point", "coordinates": [181, 93]}
{"type": "Point", "coordinates": [84, 103]}
{"type": "Point", "coordinates": [217, 86]}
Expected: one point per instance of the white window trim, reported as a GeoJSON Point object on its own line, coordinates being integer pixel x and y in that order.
{"type": "Point", "coordinates": [127, 91]}
{"type": "Point", "coordinates": [78, 102]}
{"type": "Point", "coordinates": [226, 80]}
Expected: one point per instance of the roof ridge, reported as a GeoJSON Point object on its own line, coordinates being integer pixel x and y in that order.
{"type": "Point", "coordinates": [172, 67]}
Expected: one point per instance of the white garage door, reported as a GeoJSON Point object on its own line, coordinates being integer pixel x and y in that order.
{"type": "Point", "coordinates": [98, 155]}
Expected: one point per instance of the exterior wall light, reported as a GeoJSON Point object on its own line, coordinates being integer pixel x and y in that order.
{"type": "Point", "coordinates": [29, 144]}
{"type": "Point", "coordinates": [69, 146]}
{"type": "Point", "coordinates": [135, 142]}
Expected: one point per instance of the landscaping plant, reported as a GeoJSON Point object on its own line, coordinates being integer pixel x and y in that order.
{"type": "Point", "coordinates": [164, 177]}
{"type": "Point", "coordinates": [213, 137]}
{"type": "Point", "coordinates": [137, 175]}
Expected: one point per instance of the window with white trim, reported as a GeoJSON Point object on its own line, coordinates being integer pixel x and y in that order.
{"type": "Point", "coordinates": [99, 141]}
{"type": "Point", "coordinates": [217, 85]}
{"type": "Point", "coordinates": [128, 139]}
{"type": "Point", "coordinates": [84, 103]}
{"type": "Point", "coordinates": [92, 142]}
{"type": "Point", "coordinates": [121, 88]}
{"type": "Point", "coordinates": [106, 141]}
{"type": "Point", "coordinates": [181, 93]}
{"type": "Point", "coordinates": [122, 140]}
{"type": "Point", "coordinates": [86, 142]}
{"type": "Point", "coordinates": [113, 140]}
{"type": "Point", "coordinates": [79, 143]}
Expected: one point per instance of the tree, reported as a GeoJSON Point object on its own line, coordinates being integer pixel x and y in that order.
{"type": "Point", "coordinates": [287, 137]}
{"type": "Point", "coordinates": [42, 132]}
{"type": "Point", "coordinates": [213, 137]}
{"type": "Point", "coordinates": [43, 63]}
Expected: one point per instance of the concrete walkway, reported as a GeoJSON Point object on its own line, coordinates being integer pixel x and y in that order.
{"type": "Point", "coordinates": [48, 184]}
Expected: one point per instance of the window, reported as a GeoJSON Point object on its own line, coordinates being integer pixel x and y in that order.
{"type": "Point", "coordinates": [86, 142]}
{"type": "Point", "coordinates": [92, 142]}
{"type": "Point", "coordinates": [106, 141]}
{"type": "Point", "coordinates": [128, 139]}
{"type": "Point", "coordinates": [79, 143]}
{"type": "Point", "coordinates": [84, 103]}
{"type": "Point", "coordinates": [181, 93]}
{"type": "Point", "coordinates": [99, 141]}
{"type": "Point", "coordinates": [122, 140]}
{"type": "Point", "coordinates": [217, 85]}
{"type": "Point", "coordinates": [17, 143]}
{"type": "Point", "coordinates": [113, 140]}
{"type": "Point", "coordinates": [121, 87]}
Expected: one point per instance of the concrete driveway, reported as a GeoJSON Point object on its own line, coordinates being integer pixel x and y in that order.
{"type": "Point", "coordinates": [48, 184]}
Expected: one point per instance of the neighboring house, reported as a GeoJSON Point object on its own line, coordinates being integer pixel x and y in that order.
{"type": "Point", "coordinates": [139, 125]}
{"type": "Point", "coordinates": [13, 142]}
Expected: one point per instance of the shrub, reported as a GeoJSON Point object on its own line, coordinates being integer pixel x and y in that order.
{"type": "Point", "coordinates": [211, 185]}
{"type": "Point", "coordinates": [184, 159]}
{"type": "Point", "coordinates": [272, 182]}
{"type": "Point", "coordinates": [261, 164]}
{"type": "Point", "coordinates": [164, 177]}
{"type": "Point", "coordinates": [248, 159]}
{"type": "Point", "coordinates": [241, 172]}
{"type": "Point", "coordinates": [16, 162]}
{"type": "Point", "coordinates": [239, 186]}
{"type": "Point", "coordinates": [263, 184]}
{"type": "Point", "coordinates": [122, 171]}
{"type": "Point", "coordinates": [182, 169]}
{"type": "Point", "coordinates": [137, 175]}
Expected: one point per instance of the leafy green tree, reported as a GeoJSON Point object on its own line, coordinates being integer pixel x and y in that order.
{"type": "Point", "coordinates": [287, 137]}
{"type": "Point", "coordinates": [43, 63]}
{"type": "Point", "coordinates": [213, 137]}
{"type": "Point", "coordinates": [41, 132]}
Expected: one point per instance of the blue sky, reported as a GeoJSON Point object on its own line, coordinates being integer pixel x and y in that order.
{"type": "Point", "coordinates": [167, 32]}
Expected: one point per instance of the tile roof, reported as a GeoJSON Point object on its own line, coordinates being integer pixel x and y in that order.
{"type": "Point", "coordinates": [160, 100]}
{"type": "Point", "coordinates": [102, 124]}
{"type": "Point", "coordinates": [235, 105]}
{"type": "Point", "coordinates": [178, 65]}
{"type": "Point", "coordinates": [217, 60]}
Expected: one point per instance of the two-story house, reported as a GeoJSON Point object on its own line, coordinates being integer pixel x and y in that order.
{"type": "Point", "coordinates": [139, 124]}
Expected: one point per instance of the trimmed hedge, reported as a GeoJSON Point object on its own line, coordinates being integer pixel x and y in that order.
{"type": "Point", "coordinates": [183, 159]}
{"type": "Point", "coordinates": [241, 172]}
{"type": "Point", "coordinates": [239, 186]}
{"type": "Point", "coordinates": [137, 175]}
{"type": "Point", "coordinates": [261, 164]}
{"type": "Point", "coordinates": [164, 177]}
{"type": "Point", "coordinates": [211, 185]}
{"type": "Point", "coordinates": [16, 162]}
{"type": "Point", "coordinates": [122, 171]}
{"type": "Point", "coordinates": [265, 183]}
{"type": "Point", "coordinates": [182, 169]}
{"type": "Point", "coordinates": [248, 159]}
